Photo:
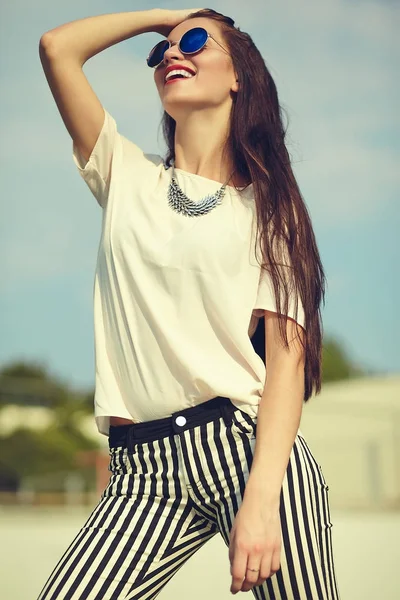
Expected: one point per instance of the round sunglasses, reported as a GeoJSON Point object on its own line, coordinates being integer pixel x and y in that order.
{"type": "Point", "coordinates": [192, 41]}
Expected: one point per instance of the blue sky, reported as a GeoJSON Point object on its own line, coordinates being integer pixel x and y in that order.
{"type": "Point", "coordinates": [335, 67]}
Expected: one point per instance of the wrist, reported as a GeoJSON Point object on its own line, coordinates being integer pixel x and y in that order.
{"type": "Point", "coordinates": [161, 21]}
{"type": "Point", "coordinates": [258, 490]}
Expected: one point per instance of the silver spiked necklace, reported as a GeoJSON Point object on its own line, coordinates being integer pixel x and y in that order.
{"type": "Point", "coordinates": [179, 202]}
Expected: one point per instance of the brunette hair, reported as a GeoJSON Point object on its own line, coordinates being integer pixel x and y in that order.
{"type": "Point", "coordinates": [257, 144]}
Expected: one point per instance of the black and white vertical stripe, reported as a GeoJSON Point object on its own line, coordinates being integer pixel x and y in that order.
{"type": "Point", "coordinates": [169, 497]}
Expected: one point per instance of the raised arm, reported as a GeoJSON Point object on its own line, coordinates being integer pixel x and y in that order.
{"type": "Point", "coordinates": [65, 49]}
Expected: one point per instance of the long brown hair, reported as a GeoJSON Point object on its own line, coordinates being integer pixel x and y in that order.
{"type": "Point", "coordinates": [284, 230]}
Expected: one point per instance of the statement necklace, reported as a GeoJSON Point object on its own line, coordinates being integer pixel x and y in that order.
{"type": "Point", "coordinates": [179, 202]}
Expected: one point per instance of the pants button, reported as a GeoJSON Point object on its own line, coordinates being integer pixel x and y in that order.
{"type": "Point", "coordinates": [180, 420]}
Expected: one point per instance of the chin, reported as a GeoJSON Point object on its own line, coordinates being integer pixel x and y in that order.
{"type": "Point", "coordinates": [180, 105]}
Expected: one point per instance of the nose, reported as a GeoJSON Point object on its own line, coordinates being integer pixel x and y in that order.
{"type": "Point", "coordinates": [173, 52]}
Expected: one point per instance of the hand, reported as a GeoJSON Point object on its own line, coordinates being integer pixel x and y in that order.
{"type": "Point", "coordinates": [255, 542]}
{"type": "Point", "coordinates": [172, 18]}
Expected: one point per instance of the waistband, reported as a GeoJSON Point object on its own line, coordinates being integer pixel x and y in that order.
{"type": "Point", "coordinates": [149, 431]}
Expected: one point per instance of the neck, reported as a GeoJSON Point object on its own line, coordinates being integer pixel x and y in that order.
{"type": "Point", "coordinates": [200, 137]}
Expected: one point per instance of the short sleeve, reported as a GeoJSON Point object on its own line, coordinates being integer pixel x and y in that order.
{"type": "Point", "coordinates": [97, 170]}
{"type": "Point", "coordinates": [265, 300]}
{"type": "Point", "coordinates": [265, 294]}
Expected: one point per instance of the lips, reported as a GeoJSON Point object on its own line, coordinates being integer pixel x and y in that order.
{"type": "Point", "coordinates": [178, 67]}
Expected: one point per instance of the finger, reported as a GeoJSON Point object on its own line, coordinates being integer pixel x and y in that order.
{"type": "Point", "coordinates": [269, 566]}
{"type": "Point", "coordinates": [265, 568]}
{"type": "Point", "coordinates": [276, 560]}
{"type": "Point", "coordinates": [238, 569]}
{"type": "Point", "coordinates": [251, 576]}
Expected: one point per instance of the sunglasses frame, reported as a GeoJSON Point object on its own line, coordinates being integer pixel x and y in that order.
{"type": "Point", "coordinates": [178, 44]}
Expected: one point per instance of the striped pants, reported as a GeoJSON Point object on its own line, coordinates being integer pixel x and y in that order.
{"type": "Point", "coordinates": [174, 484]}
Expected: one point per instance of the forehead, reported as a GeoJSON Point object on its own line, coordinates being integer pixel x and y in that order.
{"type": "Point", "coordinates": [209, 24]}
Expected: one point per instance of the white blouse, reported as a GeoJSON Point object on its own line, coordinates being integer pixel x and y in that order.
{"type": "Point", "coordinates": [176, 298]}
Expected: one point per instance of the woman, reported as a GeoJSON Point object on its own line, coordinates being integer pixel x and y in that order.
{"type": "Point", "coordinates": [201, 442]}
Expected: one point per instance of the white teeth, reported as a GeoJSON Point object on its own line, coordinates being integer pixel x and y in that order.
{"type": "Point", "coordinates": [178, 72]}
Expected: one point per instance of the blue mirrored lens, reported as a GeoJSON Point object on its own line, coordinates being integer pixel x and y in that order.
{"type": "Point", "coordinates": [193, 40]}
{"type": "Point", "coordinates": [157, 54]}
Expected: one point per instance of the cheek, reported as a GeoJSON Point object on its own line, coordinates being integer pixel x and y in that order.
{"type": "Point", "coordinates": [217, 80]}
{"type": "Point", "coordinates": [220, 72]}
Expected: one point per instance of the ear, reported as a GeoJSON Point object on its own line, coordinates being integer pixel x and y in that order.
{"type": "Point", "coordinates": [235, 86]}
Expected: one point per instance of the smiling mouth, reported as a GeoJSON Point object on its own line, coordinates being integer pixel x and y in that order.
{"type": "Point", "coordinates": [178, 75]}
{"type": "Point", "coordinates": [175, 79]}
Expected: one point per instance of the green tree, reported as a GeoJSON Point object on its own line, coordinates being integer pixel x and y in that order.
{"type": "Point", "coordinates": [336, 363]}
{"type": "Point", "coordinates": [27, 453]}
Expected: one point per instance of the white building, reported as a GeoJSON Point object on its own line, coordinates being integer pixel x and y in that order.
{"type": "Point", "coordinates": [353, 429]}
